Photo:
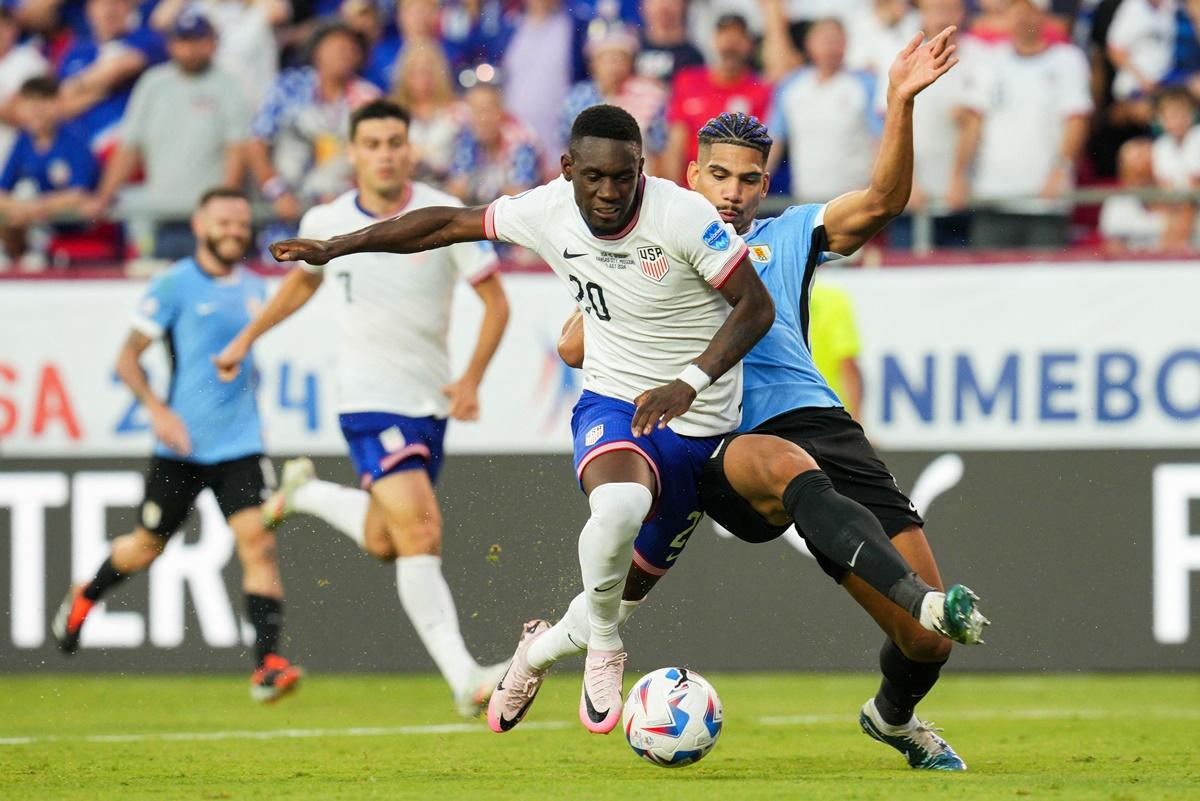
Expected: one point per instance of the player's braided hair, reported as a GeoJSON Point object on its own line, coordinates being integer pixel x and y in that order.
{"type": "Point", "coordinates": [736, 128]}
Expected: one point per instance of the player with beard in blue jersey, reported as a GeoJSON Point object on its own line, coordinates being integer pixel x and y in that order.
{"type": "Point", "coordinates": [798, 456]}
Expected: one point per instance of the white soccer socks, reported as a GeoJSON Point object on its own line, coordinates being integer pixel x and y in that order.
{"type": "Point", "coordinates": [569, 636]}
{"type": "Point", "coordinates": [428, 603]}
{"type": "Point", "coordinates": [605, 551]}
{"type": "Point", "coordinates": [344, 508]}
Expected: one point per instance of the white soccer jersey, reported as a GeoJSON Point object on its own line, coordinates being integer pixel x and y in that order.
{"type": "Point", "coordinates": [648, 293]}
{"type": "Point", "coordinates": [394, 310]}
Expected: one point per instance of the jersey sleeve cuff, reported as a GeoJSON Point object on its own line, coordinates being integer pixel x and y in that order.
{"type": "Point", "coordinates": [144, 325]}
{"type": "Point", "coordinates": [487, 272]}
{"type": "Point", "coordinates": [489, 221]}
{"type": "Point", "coordinates": [721, 277]}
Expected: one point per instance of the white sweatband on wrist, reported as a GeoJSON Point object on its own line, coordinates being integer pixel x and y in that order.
{"type": "Point", "coordinates": [695, 378]}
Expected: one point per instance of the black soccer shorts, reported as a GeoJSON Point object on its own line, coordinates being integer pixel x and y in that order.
{"type": "Point", "coordinates": [840, 448]}
{"type": "Point", "coordinates": [172, 486]}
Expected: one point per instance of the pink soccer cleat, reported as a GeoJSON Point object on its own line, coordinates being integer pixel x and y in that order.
{"type": "Point", "coordinates": [602, 698]}
{"type": "Point", "coordinates": [518, 687]}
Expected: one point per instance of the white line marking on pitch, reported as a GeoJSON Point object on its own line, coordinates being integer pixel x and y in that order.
{"type": "Point", "coordinates": [276, 734]}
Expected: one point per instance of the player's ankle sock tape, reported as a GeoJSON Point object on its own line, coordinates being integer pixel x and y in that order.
{"type": "Point", "coordinates": [266, 615]}
{"type": "Point", "coordinates": [904, 684]}
{"type": "Point", "coordinates": [106, 578]}
{"type": "Point", "coordinates": [845, 532]}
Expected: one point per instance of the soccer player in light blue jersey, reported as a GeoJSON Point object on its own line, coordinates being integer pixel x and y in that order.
{"type": "Point", "coordinates": [798, 457]}
{"type": "Point", "coordinates": [208, 433]}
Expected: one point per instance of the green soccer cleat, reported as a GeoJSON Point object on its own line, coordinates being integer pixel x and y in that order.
{"type": "Point", "coordinates": [296, 473]}
{"type": "Point", "coordinates": [917, 740]}
{"type": "Point", "coordinates": [954, 615]}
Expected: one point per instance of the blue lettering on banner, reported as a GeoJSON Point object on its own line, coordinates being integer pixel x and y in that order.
{"type": "Point", "coordinates": [716, 237]}
{"type": "Point", "coordinates": [131, 421]}
{"type": "Point", "coordinates": [1051, 385]}
{"type": "Point", "coordinates": [894, 380]}
{"type": "Point", "coordinates": [1116, 372]}
{"type": "Point", "coordinates": [965, 381]}
{"type": "Point", "coordinates": [1164, 378]}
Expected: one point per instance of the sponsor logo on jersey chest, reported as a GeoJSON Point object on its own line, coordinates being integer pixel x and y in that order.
{"type": "Point", "coordinates": [654, 262]}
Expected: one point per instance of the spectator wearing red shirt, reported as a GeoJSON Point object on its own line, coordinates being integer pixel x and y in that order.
{"type": "Point", "coordinates": [700, 93]}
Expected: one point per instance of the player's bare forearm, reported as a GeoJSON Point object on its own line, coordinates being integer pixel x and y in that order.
{"type": "Point", "coordinates": [414, 232]}
{"type": "Point", "coordinates": [129, 369]}
{"type": "Point", "coordinates": [752, 316]}
{"type": "Point", "coordinates": [297, 289]}
{"type": "Point", "coordinates": [570, 341]}
{"type": "Point", "coordinates": [852, 219]}
{"type": "Point", "coordinates": [491, 329]}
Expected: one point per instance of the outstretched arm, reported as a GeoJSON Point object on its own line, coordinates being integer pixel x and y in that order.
{"type": "Point", "coordinates": [752, 316]}
{"type": "Point", "coordinates": [416, 231]}
{"type": "Point", "coordinates": [297, 288]}
{"type": "Point", "coordinates": [852, 219]}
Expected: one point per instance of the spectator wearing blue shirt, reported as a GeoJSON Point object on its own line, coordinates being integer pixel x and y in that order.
{"type": "Point", "coordinates": [99, 71]}
{"type": "Point", "coordinates": [495, 154]}
{"type": "Point", "coordinates": [50, 172]}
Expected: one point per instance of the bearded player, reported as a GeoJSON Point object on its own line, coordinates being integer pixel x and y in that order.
{"type": "Point", "coordinates": [801, 456]}
{"type": "Point", "coordinates": [394, 385]}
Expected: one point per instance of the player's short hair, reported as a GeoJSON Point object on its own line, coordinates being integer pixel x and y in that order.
{"type": "Point", "coordinates": [736, 128]}
{"type": "Point", "coordinates": [378, 110]}
{"type": "Point", "coordinates": [1173, 94]}
{"type": "Point", "coordinates": [221, 193]}
{"type": "Point", "coordinates": [605, 122]}
{"type": "Point", "coordinates": [41, 86]}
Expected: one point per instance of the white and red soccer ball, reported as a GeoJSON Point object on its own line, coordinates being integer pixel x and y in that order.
{"type": "Point", "coordinates": [672, 717]}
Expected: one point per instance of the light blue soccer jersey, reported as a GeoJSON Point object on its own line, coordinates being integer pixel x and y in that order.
{"type": "Point", "coordinates": [197, 315]}
{"type": "Point", "coordinates": [779, 374]}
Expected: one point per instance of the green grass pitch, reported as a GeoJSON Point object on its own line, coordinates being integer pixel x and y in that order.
{"type": "Point", "coordinates": [395, 737]}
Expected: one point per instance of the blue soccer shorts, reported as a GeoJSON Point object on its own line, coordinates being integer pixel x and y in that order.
{"type": "Point", "coordinates": [382, 443]}
{"type": "Point", "coordinates": [602, 425]}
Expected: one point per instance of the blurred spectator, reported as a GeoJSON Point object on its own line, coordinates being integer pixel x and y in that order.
{"type": "Point", "coordinates": [824, 116]}
{"type": "Point", "coordinates": [423, 86]}
{"type": "Point", "coordinates": [700, 93]}
{"type": "Point", "coordinates": [1141, 42]}
{"type": "Point", "coordinates": [365, 16]}
{"type": "Point", "coordinates": [246, 46]}
{"type": "Point", "coordinates": [665, 48]}
{"type": "Point", "coordinates": [49, 173]}
{"type": "Point", "coordinates": [833, 339]}
{"type": "Point", "coordinates": [67, 19]}
{"type": "Point", "coordinates": [97, 74]}
{"type": "Point", "coordinates": [938, 119]}
{"type": "Point", "coordinates": [495, 154]}
{"type": "Point", "coordinates": [611, 57]}
{"type": "Point", "coordinates": [419, 24]}
{"type": "Point", "coordinates": [1027, 120]}
{"type": "Point", "coordinates": [874, 38]}
{"type": "Point", "coordinates": [1128, 223]}
{"type": "Point", "coordinates": [18, 63]}
{"type": "Point", "coordinates": [298, 149]}
{"type": "Point", "coordinates": [1176, 159]}
{"type": "Point", "coordinates": [702, 16]}
{"type": "Point", "coordinates": [1185, 56]}
{"type": "Point", "coordinates": [539, 62]}
{"type": "Point", "coordinates": [187, 125]}
{"type": "Point", "coordinates": [991, 21]}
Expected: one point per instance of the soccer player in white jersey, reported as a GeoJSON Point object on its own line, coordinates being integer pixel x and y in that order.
{"type": "Point", "coordinates": [655, 271]}
{"type": "Point", "coordinates": [394, 385]}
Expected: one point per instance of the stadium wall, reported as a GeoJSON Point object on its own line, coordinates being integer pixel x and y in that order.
{"type": "Point", "coordinates": [1044, 420]}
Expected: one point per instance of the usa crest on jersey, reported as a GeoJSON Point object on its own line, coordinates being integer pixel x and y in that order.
{"type": "Point", "coordinates": [654, 262]}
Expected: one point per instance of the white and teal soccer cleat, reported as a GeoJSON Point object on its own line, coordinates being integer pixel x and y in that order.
{"type": "Point", "coordinates": [296, 473]}
{"type": "Point", "coordinates": [917, 740]}
{"type": "Point", "coordinates": [954, 615]}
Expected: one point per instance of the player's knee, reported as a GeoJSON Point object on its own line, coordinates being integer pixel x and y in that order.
{"type": "Point", "coordinates": [143, 547]}
{"type": "Point", "coordinates": [381, 549]}
{"type": "Point", "coordinates": [420, 537]}
{"type": "Point", "coordinates": [924, 646]}
{"type": "Point", "coordinates": [786, 465]}
{"type": "Point", "coordinates": [620, 506]}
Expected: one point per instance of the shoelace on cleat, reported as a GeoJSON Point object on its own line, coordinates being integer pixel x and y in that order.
{"type": "Point", "coordinates": [607, 679]}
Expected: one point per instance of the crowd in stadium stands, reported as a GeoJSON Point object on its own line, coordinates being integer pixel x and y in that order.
{"type": "Point", "coordinates": [116, 114]}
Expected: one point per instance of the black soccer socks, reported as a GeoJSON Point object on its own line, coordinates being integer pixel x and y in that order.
{"type": "Point", "coordinates": [106, 578]}
{"type": "Point", "coordinates": [266, 615]}
{"type": "Point", "coordinates": [846, 533]}
{"type": "Point", "coordinates": [904, 684]}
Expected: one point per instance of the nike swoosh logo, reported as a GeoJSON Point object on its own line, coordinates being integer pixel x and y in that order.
{"type": "Point", "coordinates": [596, 716]}
{"type": "Point", "coordinates": [568, 255]}
{"type": "Point", "coordinates": [506, 725]}
{"type": "Point", "coordinates": [610, 586]}
{"type": "Point", "coordinates": [857, 550]}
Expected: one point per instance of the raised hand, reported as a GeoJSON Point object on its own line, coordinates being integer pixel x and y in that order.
{"type": "Point", "coordinates": [919, 65]}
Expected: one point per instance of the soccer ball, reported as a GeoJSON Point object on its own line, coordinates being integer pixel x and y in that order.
{"type": "Point", "coordinates": [672, 717]}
